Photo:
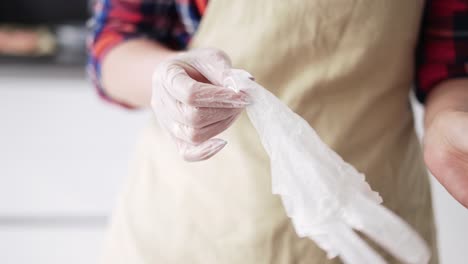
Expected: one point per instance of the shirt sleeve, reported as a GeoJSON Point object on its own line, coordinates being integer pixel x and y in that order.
{"type": "Point", "coordinates": [443, 49]}
{"type": "Point", "coordinates": [115, 21]}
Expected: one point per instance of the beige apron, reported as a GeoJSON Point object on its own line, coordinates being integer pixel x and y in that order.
{"type": "Point", "coordinates": [346, 66]}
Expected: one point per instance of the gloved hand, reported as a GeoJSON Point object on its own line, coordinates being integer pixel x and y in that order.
{"type": "Point", "coordinates": [191, 103]}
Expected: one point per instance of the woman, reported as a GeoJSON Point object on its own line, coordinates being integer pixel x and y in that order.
{"type": "Point", "coordinates": [344, 66]}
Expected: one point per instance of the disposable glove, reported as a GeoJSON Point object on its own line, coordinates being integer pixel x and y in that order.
{"type": "Point", "coordinates": [190, 102]}
{"type": "Point", "coordinates": [326, 198]}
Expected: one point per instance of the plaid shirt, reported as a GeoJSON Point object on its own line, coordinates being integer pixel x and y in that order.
{"type": "Point", "coordinates": [443, 48]}
{"type": "Point", "coordinates": [170, 22]}
{"type": "Point", "coordinates": [442, 52]}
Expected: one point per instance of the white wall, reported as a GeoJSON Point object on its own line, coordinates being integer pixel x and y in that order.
{"type": "Point", "coordinates": [63, 154]}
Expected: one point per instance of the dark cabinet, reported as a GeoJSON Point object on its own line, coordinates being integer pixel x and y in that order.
{"type": "Point", "coordinates": [43, 11]}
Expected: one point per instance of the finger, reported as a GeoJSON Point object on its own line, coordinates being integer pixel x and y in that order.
{"type": "Point", "coordinates": [186, 90]}
{"type": "Point", "coordinates": [238, 80]}
{"type": "Point", "coordinates": [196, 117]}
{"type": "Point", "coordinates": [213, 64]}
{"type": "Point", "coordinates": [200, 152]}
{"type": "Point", "coordinates": [190, 152]}
{"type": "Point", "coordinates": [199, 117]}
{"type": "Point", "coordinates": [207, 132]}
{"type": "Point", "coordinates": [387, 230]}
{"type": "Point", "coordinates": [352, 248]}
{"type": "Point", "coordinates": [197, 136]}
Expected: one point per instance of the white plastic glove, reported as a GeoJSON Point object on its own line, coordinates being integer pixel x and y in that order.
{"type": "Point", "coordinates": [326, 198]}
{"type": "Point", "coordinates": [191, 103]}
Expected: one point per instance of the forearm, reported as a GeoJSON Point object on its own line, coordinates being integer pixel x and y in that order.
{"type": "Point", "coordinates": [450, 95]}
{"type": "Point", "coordinates": [127, 70]}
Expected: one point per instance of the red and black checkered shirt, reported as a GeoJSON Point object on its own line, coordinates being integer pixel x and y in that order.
{"type": "Point", "coordinates": [442, 52]}
{"type": "Point", "coordinates": [443, 49]}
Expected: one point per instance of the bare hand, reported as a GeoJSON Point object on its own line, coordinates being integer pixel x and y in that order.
{"type": "Point", "coordinates": [446, 152]}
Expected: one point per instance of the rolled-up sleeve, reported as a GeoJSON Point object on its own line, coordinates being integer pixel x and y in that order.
{"type": "Point", "coordinates": [443, 49]}
{"type": "Point", "coordinates": [115, 21]}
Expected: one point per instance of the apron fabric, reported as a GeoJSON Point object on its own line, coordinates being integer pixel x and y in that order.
{"type": "Point", "coordinates": [346, 66]}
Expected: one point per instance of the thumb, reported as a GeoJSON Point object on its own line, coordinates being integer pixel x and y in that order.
{"type": "Point", "coordinates": [213, 64]}
{"type": "Point", "coordinates": [202, 151]}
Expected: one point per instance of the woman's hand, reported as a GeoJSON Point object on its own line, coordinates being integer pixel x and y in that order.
{"type": "Point", "coordinates": [446, 152]}
{"type": "Point", "coordinates": [190, 102]}
{"type": "Point", "coordinates": [446, 137]}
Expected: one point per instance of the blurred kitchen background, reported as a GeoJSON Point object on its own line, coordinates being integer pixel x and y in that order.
{"type": "Point", "coordinates": [64, 152]}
